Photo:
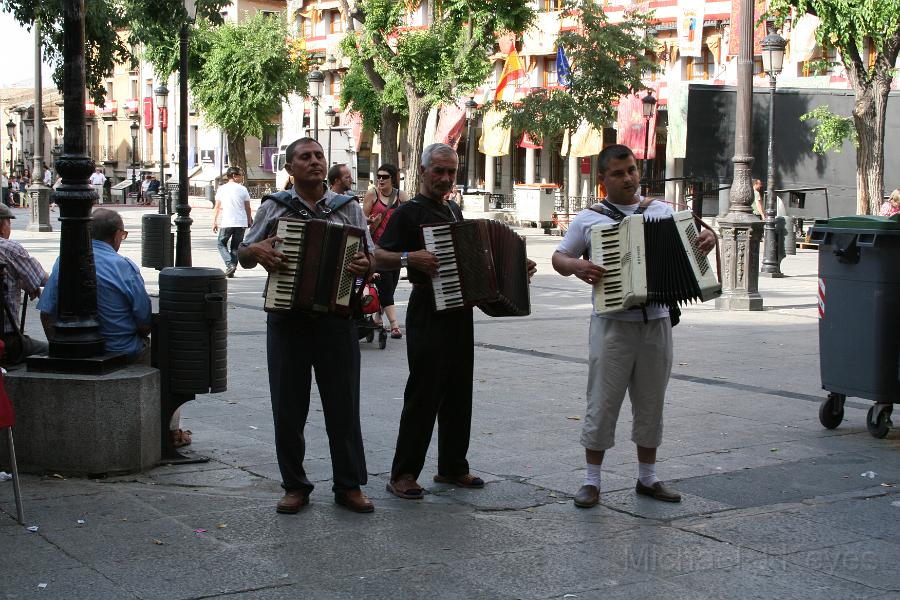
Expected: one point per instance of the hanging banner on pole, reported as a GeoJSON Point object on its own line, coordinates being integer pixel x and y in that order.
{"type": "Point", "coordinates": [690, 27]}
{"type": "Point", "coordinates": [759, 31]}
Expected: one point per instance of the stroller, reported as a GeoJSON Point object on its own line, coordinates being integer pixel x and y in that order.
{"type": "Point", "coordinates": [365, 321]}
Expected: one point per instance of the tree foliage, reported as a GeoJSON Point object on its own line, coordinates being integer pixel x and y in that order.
{"type": "Point", "coordinates": [830, 130]}
{"type": "Point", "coordinates": [607, 60]}
{"type": "Point", "coordinates": [357, 90]}
{"type": "Point", "coordinates": [853, 29]}
{"type": "Point", "coordinates": [439, 62]}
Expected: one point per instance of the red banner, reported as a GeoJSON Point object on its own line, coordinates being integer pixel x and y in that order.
{"type": "Point", "coordinates": [164, 118]}
{"type": "Point", "coordinates": [759, 32]}
{"type": "Point", "coordinates": [148, 113]}
{"type": "Point", "coordinates": [632, 128]}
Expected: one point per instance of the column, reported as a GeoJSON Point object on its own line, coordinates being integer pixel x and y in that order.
{"type": "Point", "coordinates": [529, 165]}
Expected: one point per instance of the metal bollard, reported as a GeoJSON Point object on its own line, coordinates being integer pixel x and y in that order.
{"type": "Point", "coordinates": [790, 237]}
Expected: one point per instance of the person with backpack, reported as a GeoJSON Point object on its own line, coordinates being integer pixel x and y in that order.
{"type": "Point", "coordinates": [297, 343]}
{"type": "Point", "coordinates": [627, 350]}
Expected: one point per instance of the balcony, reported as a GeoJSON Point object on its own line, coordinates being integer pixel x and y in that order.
{"type": "Point", "coordinates": [132, 107]}
{"type": "Point", "coordinates": [108, 154]}
{"type": "Point", "coordinates": [89, 109]}
{"type": "Point", "coordinates": [111, 110]}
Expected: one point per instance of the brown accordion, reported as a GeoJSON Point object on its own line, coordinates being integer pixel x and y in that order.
{"type": "Point", "coordinates": [482, 263]}
{"type": "Point", "coordinates": [314, 278]}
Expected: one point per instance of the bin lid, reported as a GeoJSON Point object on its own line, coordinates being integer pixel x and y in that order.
{"type": "Point", "coordinates": [860, 222]}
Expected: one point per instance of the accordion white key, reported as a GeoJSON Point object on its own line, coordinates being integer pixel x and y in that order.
{"type": "Point", "coordinates": [650, 262]}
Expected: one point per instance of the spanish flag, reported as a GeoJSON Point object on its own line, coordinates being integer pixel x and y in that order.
{"type": "Point", "coordinates": [512, 70]}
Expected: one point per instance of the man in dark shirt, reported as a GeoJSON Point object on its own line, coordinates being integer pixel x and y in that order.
{"type": "Point", "coordinates": [439, 346]}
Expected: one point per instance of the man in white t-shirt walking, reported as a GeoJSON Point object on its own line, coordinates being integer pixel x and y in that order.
{"type": "Point", "coordinates": [233, 204]}
{"type": "Point", "coordinates": [98, 181]}
{"type": "Point", "coordinates": [627, 350]}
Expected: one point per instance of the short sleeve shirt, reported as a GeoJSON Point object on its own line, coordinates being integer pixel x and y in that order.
{"type": "Point", "coordinates": [232, 196]}
{"type": "Point", "coordinates": [122, 300]}
{"type": "Point", "coordinates": [22, 272]}
{"type": "Point", "coordinates": [577, 241]}
{"type": "Point", "coordinates": [404, 231]}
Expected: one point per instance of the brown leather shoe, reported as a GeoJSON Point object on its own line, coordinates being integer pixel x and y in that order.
{"type": "Point", "coordinates": [355, 500]}
{"type": "Point", "coordinates": [292, 502]}
{"type": "Point", "coordinates": [658, 491]}
{"type": "Point", "coordinates": [587, 496]}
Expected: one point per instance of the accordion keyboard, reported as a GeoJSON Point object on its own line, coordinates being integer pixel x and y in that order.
{"type": "Point", "coordinates": [446, 284]}
{"type": "Point", "coordinates": [280, 287]}
{"type": "Point", "coordinates": [619, 248]}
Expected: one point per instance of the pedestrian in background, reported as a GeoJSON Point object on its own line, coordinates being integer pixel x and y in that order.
{"type": "Point", "coordinates": [98, 181]}
{"type": "Point", "coordinates": [233, 203]}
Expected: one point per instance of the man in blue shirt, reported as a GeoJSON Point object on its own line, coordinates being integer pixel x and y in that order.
{"type": "Point", "coordinates": [123, 305]}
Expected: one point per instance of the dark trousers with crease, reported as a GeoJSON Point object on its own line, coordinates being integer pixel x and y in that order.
{"type": "Point", "coordinates": [298, 345]}
{"type": "Point", "coordinates": [439, 348]}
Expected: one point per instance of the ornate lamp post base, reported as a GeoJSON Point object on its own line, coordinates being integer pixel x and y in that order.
{"type": "Point", "coordinates": [740, 255]}
{"type": "Point", "coordinates": [40, 207]}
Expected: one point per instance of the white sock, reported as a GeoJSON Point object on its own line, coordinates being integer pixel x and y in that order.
{"type": "Point", "coordinates": [592, 477]}
{"type": "Point", "coordinates": [647, 473]}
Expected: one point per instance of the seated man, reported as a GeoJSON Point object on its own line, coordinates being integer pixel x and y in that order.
{"type": "Point", "coordinates": [123, 305]}
{"type": "Point", "coordinates": [21, 272]}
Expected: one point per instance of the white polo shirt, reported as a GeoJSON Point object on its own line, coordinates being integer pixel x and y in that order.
{"type": "Point", "coordinates": [232, 197]}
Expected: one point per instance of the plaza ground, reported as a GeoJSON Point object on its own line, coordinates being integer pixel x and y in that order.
{"type": "Point", "coordinates": [775, 506]}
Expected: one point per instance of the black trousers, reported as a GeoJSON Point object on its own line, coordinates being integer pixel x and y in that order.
{"type": "Point", "coordinates": [297, 345]}
{"type": "Point", "coordinates": [439, 348]}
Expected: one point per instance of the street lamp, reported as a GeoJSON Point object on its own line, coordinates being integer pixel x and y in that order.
{"type": "Point", "coordinates": [316, 80]}
{"type": "Point", "coordinates": [162, 98]}
{"type": "Point", "coordinates": [648, 105]}
{"type": "Point", "coordinates": [135, 128]}
{"type": "Point", "coordinates": [329, 120]}
{"type": "Point", "coordinates": [183, 208]}
{"type": "Point", "coordinates": [773, 59]}
{"type": "Point", "coordinates": [471, 105]}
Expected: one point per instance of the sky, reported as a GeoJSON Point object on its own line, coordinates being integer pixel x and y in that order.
{"type": "Point", "coordinates": [17, 54]}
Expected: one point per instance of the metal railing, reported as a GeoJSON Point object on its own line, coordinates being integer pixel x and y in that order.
{"type": "Point", "coordinates": [576, 203]}
{"type": "Point", "coordinates": [502, 201]}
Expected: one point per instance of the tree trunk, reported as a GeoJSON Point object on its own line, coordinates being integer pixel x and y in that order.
{"type": "Point", "coordinates": [869, 115]}
{"type": "Point", "coordinates": [237, 156]}
{"type": "Point", "coordinates": [390, 123]}
{"type": "Point", "coordinates": [418, 116]}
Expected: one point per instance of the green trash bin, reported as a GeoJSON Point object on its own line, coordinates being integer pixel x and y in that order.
{"type": "Point", "coordinates": [859, 316]}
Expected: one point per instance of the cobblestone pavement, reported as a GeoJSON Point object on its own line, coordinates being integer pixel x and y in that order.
{"type": "Point", "coordinates": [775, 506]}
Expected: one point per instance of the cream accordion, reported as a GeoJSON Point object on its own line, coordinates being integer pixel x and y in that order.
{"type": "Point", "coordinates": [650, 261]}
{"type": "Point", "coordinates": [315, 276]}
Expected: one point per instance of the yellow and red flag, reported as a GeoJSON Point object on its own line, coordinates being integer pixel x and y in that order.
{"type": "Point", "coordinates": [512, 71]}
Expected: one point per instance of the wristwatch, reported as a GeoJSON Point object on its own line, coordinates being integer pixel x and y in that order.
{"type": "Point", "coordinates": [404, 260]}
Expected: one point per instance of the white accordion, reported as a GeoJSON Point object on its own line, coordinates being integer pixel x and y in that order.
{"type": "Point", "coordinates": [650, 262]}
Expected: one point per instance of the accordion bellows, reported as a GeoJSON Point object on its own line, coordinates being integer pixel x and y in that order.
{"type": "Point", "coordinates": [650, 262]}
{"type": "Point", "coordinates": [315, 277]}
{"type": "Point", "coordinates": [483, 263]}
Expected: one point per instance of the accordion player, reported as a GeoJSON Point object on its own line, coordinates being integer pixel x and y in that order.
{"type": "Point", "coordinates": [315, 277]}
{"type": "Point", "coordinates": [650, 261]}
{"type": "Point", "coordinates": [482, 263]}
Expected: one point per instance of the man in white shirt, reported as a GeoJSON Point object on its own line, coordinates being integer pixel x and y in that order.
{"type": "Point", "coordinates": [97, 181]}
{"type": "Point", "coordinates": [233, 204]}
{"type": "Point", "coordinates": [627, 350]}
{"type": "Point", "coordinates": [48, 175]}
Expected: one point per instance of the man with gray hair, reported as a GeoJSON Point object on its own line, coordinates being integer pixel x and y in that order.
{"type": "Point", "coordinates": [440, 346]}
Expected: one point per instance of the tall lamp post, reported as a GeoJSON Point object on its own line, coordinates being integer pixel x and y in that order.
{"type": "Point", "coordinates": [316, 80]}
{"type": "Point", "coordinates": [135, 128]}
{"type": "Point", "coordinates": [648, 105]}
{"type": "Point", "coordinates": [329, 120]}
{"type": "Point", "coordinates": [183, 208]}
{"type": "Point", "coordinates": [773, 59]}
{"type": "Point", "coordinates": [20, 164]}
{"type": "Point", "coordinates": [162, 99]}
{"type": "Point", "coordinates": [471, 105]}
{"type": "Point", "coordinates": [10, 134]}
{"type": "Point", "coordinates": [740, 228]}
{"type": "Point", "coordinates": [38, 193]}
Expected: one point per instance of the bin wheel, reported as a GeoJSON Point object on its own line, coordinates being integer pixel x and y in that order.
{"type": "Point", "coordinates": [831, 411]}
{"type": "Point", "coordinates": [382, 339]}
{"type": "Point", "coordinates": [878, 420]}
{"type": "Point", "coordinates": [370, 336]}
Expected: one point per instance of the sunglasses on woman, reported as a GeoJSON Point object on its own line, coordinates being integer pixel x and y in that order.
{"type": "Point", "coordinates": [383, 176]}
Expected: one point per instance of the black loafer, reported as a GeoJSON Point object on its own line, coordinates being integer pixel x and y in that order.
{"type": "Point", "coordinates": [587, 496]}
{"type": "Point", "coordinates": [658, 491]}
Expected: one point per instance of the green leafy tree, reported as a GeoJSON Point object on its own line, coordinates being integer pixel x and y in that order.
{"type": "Point", "coordinates": [239, 75]}
{"type": "Point", "coordinates": [439, 62]}
{"type": "Point", "coordinates": [607, 61]}
{"type": "Point", "coordinates": [830, 130]}
{"type": "Point", "coordinates": [111, 29]}
{"type": "Point", "coordinates": [853, 28]}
